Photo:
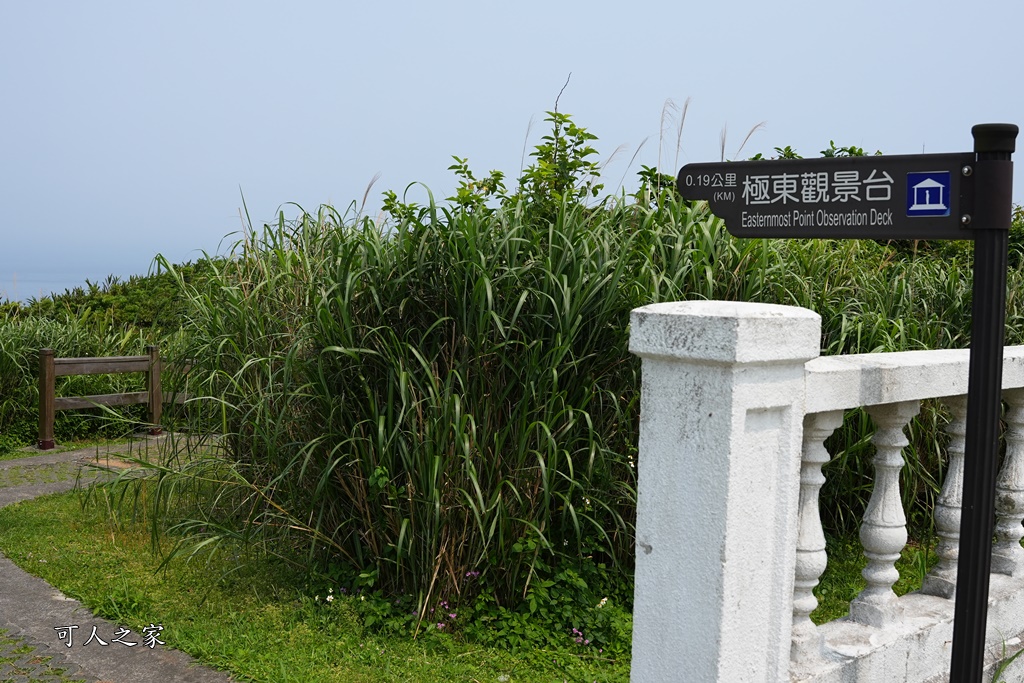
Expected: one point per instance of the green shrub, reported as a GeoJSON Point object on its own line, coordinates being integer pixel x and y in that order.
{"type": "Point", "coordinates": [142, 301]}
{"type": "Point", "coordinates": [451, 393]}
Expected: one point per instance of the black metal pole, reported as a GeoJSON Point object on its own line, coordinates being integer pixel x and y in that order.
{"type": "Point", "coordinates": [994, 144]}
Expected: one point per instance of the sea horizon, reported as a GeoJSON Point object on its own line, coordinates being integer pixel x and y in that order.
{"type": "Point", "coordinates": [37, 284]}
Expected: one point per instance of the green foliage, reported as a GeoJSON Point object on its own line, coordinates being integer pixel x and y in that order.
{"type": "Point", "coordinates": [843, 581]}
{"type": "Point", "coordinates": [561, 611]}
{"type": "Point", "coordinates": [455, 394]}
{"type": "Point", "coordinates": [428, 397]}
{"type": "Point", "coordinates": [142, 301]}
{"type": "Point", "coordinates": [787, 152]}
{"type": "Point", "coordinates": [402, 211]}
{"type": "Point", "coordinates": [117, 318]}
{"type": "Point", "coordinates": [655, 187]}
{"type": "Point", "coordinates": [963, 249]}
{"type": "Point", "coordinates": [472, 194]}
{"type": "Point", "coordinates": [1004, 663]}
{"type": "Point", "coordinates": [562, 171]}
{"type": "Point", "coordinates": [831, 151]}
{"type": "Point", "coordinates": [1016, 240]}
{"type": "Point", "coordinates": [451, 392]}
{"type": "Point", "coordinates": [836, 152]}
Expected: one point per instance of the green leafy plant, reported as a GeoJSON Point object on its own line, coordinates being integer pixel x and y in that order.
{"type": "Point", "coordinates": [562, 171]}
{"type": "Point", "coordinates": [655, 187]}
{"type": "Point", "coordinates": [836, 152]}
{"type": "Point", "coordinates": [472, 194]}
{"type": "Point", "coordinates": [787, 152]}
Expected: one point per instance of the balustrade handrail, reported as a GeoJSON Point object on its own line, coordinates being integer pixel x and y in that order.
{"type": "Point", "coordinates": [855, 380]}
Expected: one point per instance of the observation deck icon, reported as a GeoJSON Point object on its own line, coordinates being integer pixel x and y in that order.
{"type": "Point", "coordinates": [928, 194]}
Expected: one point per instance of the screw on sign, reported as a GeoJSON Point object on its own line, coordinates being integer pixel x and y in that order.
{"type": "Point", "coordinates": [962, 196]}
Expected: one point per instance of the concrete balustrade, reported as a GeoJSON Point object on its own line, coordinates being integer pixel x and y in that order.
{"type": "Point", "coordinates": [735, 408]}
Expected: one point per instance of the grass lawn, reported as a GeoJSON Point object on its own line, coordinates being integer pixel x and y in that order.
{"type": "Point", "coordinates": [252, 622]}
{"type": "Point", "coordinates": [248, 617]}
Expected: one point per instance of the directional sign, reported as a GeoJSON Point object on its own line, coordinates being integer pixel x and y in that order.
{"type": "Point", "coordinates": [879, 197]}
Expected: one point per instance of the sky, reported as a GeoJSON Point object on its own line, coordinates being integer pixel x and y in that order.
{"type": "Point", "coordinates": [130, 129]}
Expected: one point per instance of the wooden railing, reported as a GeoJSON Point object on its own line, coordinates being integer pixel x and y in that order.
{"type": "Point", "coordinates": [50, 368]}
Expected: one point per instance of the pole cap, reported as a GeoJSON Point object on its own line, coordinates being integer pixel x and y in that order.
{"type": "Point", "coordinates": [995, 137]}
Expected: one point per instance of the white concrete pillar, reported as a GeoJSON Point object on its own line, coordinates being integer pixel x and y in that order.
{"type": "Point", "coordinates": [721, 420]}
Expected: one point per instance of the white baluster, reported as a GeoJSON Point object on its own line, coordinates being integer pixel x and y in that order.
{"type": "Point", "coordinates": [884, 530]}
{"type": "Point", "coordinates": [941, 581]}
{"type": "Point", "coordinates": [811, 558]}
{"type": "Point", "coordinates": [1008, 555]}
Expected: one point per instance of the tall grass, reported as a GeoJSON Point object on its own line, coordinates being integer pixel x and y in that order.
{"type": "Point", "coordinates": [409, 404]}
{"type": "Point", "coordinates": [451, 394]}
{"type": "Point", "coordinates": [441, 399]}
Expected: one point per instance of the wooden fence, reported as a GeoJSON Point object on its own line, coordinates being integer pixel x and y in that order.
{"type": "Point", "coordinates": [50, 368]}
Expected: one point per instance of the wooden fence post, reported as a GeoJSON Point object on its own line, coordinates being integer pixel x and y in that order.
{"type": "Point", "coordinates": [156, 397]}
{"type": "Point", "coordinates": [46, 394]}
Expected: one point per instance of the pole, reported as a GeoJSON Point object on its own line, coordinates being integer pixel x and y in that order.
{"type": "Point", "coordinates": [154, 392]}
{"type": "Point", "coordinates": [46, 399]}
{"type": "Point", "coordinates": [994, 144]}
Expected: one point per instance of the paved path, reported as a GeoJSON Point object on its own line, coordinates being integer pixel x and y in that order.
{"type": "Point", "coordinates": [31, 610]}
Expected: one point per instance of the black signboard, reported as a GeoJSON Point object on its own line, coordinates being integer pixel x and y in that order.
{"type": "Point", "coordinates": [878, 197]}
